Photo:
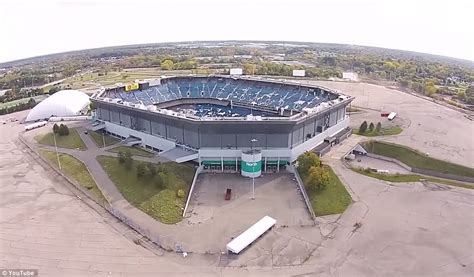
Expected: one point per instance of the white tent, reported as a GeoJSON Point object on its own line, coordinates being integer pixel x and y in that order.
{"type": "Point", "coordinates": [62, 103]}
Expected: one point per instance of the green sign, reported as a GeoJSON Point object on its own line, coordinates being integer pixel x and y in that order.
{"type": "Point", "coordinates": [251, 167]}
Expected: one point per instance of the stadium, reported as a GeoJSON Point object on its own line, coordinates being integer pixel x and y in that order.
{"type": "Point", "coordinates": [225, 122]}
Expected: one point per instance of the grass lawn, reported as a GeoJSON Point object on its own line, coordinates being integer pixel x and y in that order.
{"type": "Point", "coordinates": [334, 199]}
{"type": "Point", "coordinates": [405, 178]}
{"type": "Point", "coordinates": [72, 141]}
{"type": "Point", "coordinates": [389, 131]}
{"type": "Point", "coordinates": [134, 150]}
{"type": "Point", "coordinates": [97, 138]}
{"type": "Point", "coordinates": [416, 159]}
{"type": "Point", "coordinates": [76, 170]}
{"type": "Point", "coordinates": [156, 196]}
{"type": "Point", "coordinates": [14, 102]}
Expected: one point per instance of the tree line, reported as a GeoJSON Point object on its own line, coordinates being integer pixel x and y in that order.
{"type": "Point", "coordinates": [18, 107]}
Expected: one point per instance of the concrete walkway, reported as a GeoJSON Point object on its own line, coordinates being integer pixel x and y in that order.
{"type": "Point", "coordinates": [134, 217]}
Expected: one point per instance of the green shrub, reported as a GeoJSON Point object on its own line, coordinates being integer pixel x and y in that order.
{"type": "Point", "coordinates": [378, 127]}
{"type": "Point", "coordinates": [151, 169]}
{"type": "Point", "coordinates": [55, 128]}
{"type": "Point", "coordinates": [63, 130]}
{"type": "Point", "coordinates": [363, 127]}
{"type": "Point", "coordinates": [180, 193]}
{"type": "Point", "coordinates": [141, 170]}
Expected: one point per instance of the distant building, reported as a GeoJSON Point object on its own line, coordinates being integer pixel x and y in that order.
{"type": "Point", "coordinates": [235, 71]}
{"type": "Point", "coordinates": [299, 73]}
{"type": "Point", "coordinates": [242, 56]}
{"type": "Point", "coordinates": [3, 91]}
{"type": "Point", "coordinates": [350, 76]}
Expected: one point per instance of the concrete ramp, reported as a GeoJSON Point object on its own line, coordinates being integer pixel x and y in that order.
{"type": "Point", "coordinates": [132, 141]}
{"type": "Point", "coordinates": [179, 155]}
{"type": "Point", "coordinates": [98, 127]}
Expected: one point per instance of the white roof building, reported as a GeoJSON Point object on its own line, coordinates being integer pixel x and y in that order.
{"type": "Point", "coordinates": [62, 103]}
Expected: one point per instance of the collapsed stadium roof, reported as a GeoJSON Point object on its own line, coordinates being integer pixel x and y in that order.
{"type": "Point", "coordinates": [283, 98]}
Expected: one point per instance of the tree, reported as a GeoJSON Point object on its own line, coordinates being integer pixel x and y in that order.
{"type": "Point", "coordinates": [161, 179]}
{"type": "Point", "coordinates": [318, 178]}
{"type": "Point", "coordinates": [378, 127]}
{"type": "Point", "coordinates": [249, 69]}
{"type": "Point", "coordinates": [121, 157]}
{"type": "Point", "coordinates": [363, 127]}
{"type": "Point", "coordinates": [53, 90]}
{"type": "Point", "coordinates": [470, 95]}
{"type": "Point", "coordinates": [167, 65]}
{"type": "Point", "coordinates": [55, 128]}
{"type": "Point", "coordinates": [151, 169]}
{"type": "Point", "coordinates": [404, 83]}
{"type": "Point", "coordinates": [92, 106]}
{"type": "Point", "coordinates": [371, 127]}
{"type": "Point", "coordinates": [63, 130]}
{"type": "Point", "coordinates": [128, 159]}
{"type": "Point", "coordinates": [141, 170]}
{"type": "Point", "coordinates": [125, 158]}
{"type": "Point", "coordinates": [180, 193]}
{"type": "Point", "coordinates": [306, 161]}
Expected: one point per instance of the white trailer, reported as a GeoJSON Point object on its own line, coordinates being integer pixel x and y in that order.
{"type": "Point", "coordinates": [298, 73]}
{"type": "Point", "coordinates": [235, 71]}
{"type": "Point", "coordinates": [392, 115]}
{"type": "Point", "coordinates": [251, 234]}
{"type": "Point", "coordinates": [35, 125]}
{"type": "Point", "coordinates": [70, 118]}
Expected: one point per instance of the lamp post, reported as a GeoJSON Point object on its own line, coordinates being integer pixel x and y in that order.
{"type": "Point", "coordinates": [57, 154]}
{"type": "Point", "coordinates": [253, 167]}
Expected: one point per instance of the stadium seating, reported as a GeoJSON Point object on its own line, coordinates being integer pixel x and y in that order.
{"type": "Point", "coordinates": [269, 95]}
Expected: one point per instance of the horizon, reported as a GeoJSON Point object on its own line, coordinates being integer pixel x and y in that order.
{"type": "Point", "coordinates": [58, 26]}
{"type": "Point", "coordinates": [231, 40]}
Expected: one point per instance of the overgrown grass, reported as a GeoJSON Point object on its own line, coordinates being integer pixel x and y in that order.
{"type": "Point", "coordinates": [334, 199]}
{"type": "Point", "coordinates": [71, 141]}
{"type": "Point", "coordinates": [353, 109]}
{"type": "Point", "coordinates": [156, 196]}
{"type": "Point", "coordinates": [416, 159]}
{"type": "Point", "coordinates": [134, 150]}
{"type": "Point", "coordinates": [388, 131]}
{"type": "Point", "coordinates": [97, 138]}
{"type": "Point", "coordinates": [76, 170]}
{"type": "Point", "coordinates": [405, 178]}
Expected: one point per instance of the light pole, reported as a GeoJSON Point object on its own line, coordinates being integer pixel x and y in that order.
{"type": "Point", "coordinates": [57, 154]}
{"type": "Point", "coordinates": [253, 167]}
{"type": "Point", "coordinates": [103, 138]}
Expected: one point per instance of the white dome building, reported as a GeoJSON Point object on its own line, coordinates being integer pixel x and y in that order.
{"type": "Point", "coordinates": [62, 103]}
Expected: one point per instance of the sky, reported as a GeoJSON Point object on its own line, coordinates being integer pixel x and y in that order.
{"type": "Point", "coordinates": [37, 27]}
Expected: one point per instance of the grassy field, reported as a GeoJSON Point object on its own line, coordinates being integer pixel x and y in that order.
{"type": "Point", "coordinates": [334, 199]}
{"type": "Point", "coordinates": [72, 141]}
{"type": "Point", "coordinates": [156, 196]}
{"type": "Point", "coordinates": [14, 102]}
{"type": "Point", "coordinates": [97, 138]}
{"type": "Point", "coordinates": [416, 159]}
{"type": "Point", "coordinates": [404, 178]}
{"type": "Point", "coordinates": [112, 77]}
{"type": "Point", "coordinates": [76, 170]}
{"type": "Point", "coordinates": [389, 131]}
{"type": "Point", "coordinates": [134, 150]}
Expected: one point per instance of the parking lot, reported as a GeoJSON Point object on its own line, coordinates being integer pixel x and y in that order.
{"type": "Point", "coordinates": [220, 220]}
{"type": "Point", "coordinates": [434, 129]}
